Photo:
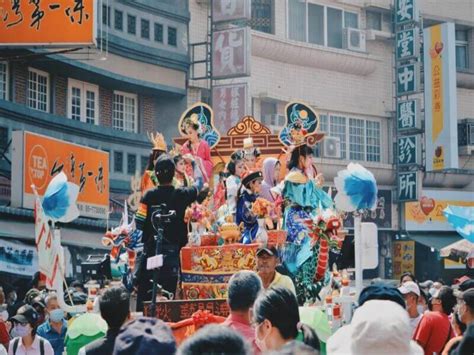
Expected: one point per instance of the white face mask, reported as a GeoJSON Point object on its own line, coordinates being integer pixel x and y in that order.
{"type": "Point", "coordinates": [23, 330]}
{"type": "Point", "coordinates": [4, 315]}
{"type": "Point", "coordinates": [420, 309]}
{"type": "Point", "coordinates": [260, 342]}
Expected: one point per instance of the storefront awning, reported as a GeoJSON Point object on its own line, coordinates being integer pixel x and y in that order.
{"type": "Point", "coordinates": [435, 240]}
{"type": "Point", "coordinates": [24, 230]}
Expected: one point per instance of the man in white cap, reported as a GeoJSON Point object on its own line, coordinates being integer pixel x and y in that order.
{"type": "Point", "coordinates": [411, 292]}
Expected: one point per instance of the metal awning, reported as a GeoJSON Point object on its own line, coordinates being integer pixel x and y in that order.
{"type": "Point", "coordinates": [435, 240]}
{"type": "Point", "coordinates": [25, 230]}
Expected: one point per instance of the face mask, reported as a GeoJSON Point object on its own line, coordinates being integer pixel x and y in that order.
{"type": "Point", "coordinates": [260, 342]}
{"type": "Point", "coordinates": [460, 314]}
{"type": "Point", "coordinates": [57, 315]}
{"type": "Point", "coordinates": [22, 330]}
{"type": "Point", "coordinates": [420, 309]}
{"type": "Point", "coordinates": [4, 315]}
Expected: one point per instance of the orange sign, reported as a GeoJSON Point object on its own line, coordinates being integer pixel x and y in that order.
{"type": "Point", "coordinates": [403, 258]}
{"type": "Point", "coordinates": [43, 157]}
{"type": "Point", "coordinates": [47, 22]}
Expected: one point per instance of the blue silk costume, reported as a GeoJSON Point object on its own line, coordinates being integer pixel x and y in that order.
{"type": "Point", "coordinates": [244, 215]}
{"type": "Point", "coordinates": [304, 198]}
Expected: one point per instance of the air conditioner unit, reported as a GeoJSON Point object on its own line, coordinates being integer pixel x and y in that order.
{"type": "Point", "coordinates": [331, 147]}
{"type": "Point", "coordinates": [354, 39]}
{"type": "Point", "coordinates": [466, 136]}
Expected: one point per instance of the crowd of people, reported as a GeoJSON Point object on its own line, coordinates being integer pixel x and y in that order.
{"type": "Point", "coordinates": [413, 318]}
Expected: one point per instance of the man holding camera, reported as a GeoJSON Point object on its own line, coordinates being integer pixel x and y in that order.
{"type": "Point", "coordinates": [162, 199]}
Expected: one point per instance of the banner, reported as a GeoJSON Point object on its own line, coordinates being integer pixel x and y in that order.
{"type": "Point", "coordinates": [37, 159]}
{"type": "Point", "coordinates": [231, 53]}
{"type": "Point", "coordinates": [403, 258]}
{"type": "Point", "coordinates": [48, 23]}
{"type": "Point", "coordinates": [440, 97]}
{"type": "Point", "coordinates": [230, 105]}
{"type": "Point", "coordinates": [18, 258]}
{"type": "Point", "coordinates": [426, 214]}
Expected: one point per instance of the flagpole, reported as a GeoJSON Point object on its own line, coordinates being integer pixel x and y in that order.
{"type": "Point", "coordinates": [358, 253]}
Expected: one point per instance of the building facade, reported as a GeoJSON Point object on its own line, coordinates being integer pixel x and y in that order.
{"type": "Point", "coordinates": [106, 98]}
{"type": "Point", "coordinates": [338, 56]}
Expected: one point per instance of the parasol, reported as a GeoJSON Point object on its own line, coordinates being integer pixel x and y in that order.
{"type": "Point", "coordinates": [462, 219]}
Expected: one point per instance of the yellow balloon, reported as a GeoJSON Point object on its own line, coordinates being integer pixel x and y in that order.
{"type": "Point", "coordinates": [304, 114]}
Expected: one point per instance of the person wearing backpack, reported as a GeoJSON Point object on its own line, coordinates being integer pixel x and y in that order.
{"type": "Point", "coordinates": [27, 341]}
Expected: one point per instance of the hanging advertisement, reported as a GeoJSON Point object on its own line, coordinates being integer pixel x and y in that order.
{"type": "Point", "coordinates": [403, 258]}
{"type": "Point", "coordinates": [426, 214]}
{"type": "Point", "coordinates": [230, 10]}
{"type": "Point", "coordinates": [231, 53]}
{"type": "Point", "coordinates": [18, 258]}
{"type": "Point", "coordinates": [230, 105]}
{"type": "Point", "coordinates": [48, 23]}
{"type": "Point", "coordinates": [440, 97]}
{"type": "Point", "coordinates": [37, 159]}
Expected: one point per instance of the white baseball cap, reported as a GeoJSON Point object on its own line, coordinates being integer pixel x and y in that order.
{"type": "Point", "coordinates": [408, 287]}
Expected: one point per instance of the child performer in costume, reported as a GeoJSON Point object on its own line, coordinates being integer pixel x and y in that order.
{"type": "Point", "coordinates": [251, 155]}
{"type": "Point", "coordinates": [271, 178]}
{"type": "Point", "coordinates": [197, 147]}
{"type": "Point", "coordinates": [149, 180]}
{"type": "Point", "coordinates": [303, 193]}
{"type": "Point", "coordinates": [236, 168]}
{"type": "Point", "coordinates": [181, 179]}
{"type": "Point", "coordinates": [248, 194]}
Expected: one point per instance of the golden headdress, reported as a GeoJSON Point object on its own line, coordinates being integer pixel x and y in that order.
{"type": "Point", "coordinates": [157, 140]}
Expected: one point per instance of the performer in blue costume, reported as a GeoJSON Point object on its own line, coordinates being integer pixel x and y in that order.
{"type": "Point", "coordinates": [302, 193]}
{"type": "Point", "coordinates": [247, 195]}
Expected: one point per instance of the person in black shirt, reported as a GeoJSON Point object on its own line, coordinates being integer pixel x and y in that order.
{"type": "Point", "coordinates": [175, 232]}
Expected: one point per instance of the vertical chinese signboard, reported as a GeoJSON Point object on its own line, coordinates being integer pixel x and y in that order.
{"type": "Point", "coordinates": [403, 258]}
{"type": "Point", "coordinates": [230, 104]}
{"type": "Point", "coordinates": [45, 23]}
{"type": "Point", "coordinates": [230, 10]}
{"type": "Point", "coordinates": [440, 97]}
{"type": "Point", "coordinates": [37, 159]}
{"type": "Point", "coordinates": [406, 11]}
{"type": "Point", "coordinates": [231, 53]}
{"type": "Point", "coordinates": [408, 115]}
{"type": "Point", "coordinates": [409, 185]}
{"type": "Point", "coordinates": [409, 152]}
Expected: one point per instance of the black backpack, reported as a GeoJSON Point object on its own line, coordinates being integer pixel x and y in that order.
{"type": "Point", "coordinates": [16, 343]}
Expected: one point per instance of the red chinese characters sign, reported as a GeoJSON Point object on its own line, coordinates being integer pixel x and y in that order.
{"type": "Point", "coordinates": [230, 103]}
{"type": "Point", "coordinates": [47, 22]}
{"type": "Point", "coordinates": [175, 311]}
{"type": "Point", "coordinates": [230, 53]}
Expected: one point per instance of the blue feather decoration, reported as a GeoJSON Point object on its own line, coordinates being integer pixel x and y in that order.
{"type": "Point", "coordinates": [59, 201]}
{"type": "Point", "coordinates": [356, 189]}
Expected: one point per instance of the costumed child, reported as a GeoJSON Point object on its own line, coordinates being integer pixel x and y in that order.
{"type": "Point", "coordinates": [303, 195]}
{"type": "Point", "coordinates": [236, 168]}
{"type": "Point", "coordinates": [248, 193]}
{"type": "Point", "coordinates": [251, 155]}
{"type": "Point", "coordinates": [149, 180]}
{"type": "Point", "coordinates": [181, 179]}
{"type": "Point", "coordinates": [197, 125]}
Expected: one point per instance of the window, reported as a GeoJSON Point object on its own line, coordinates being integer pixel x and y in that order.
{"type": "Point", "coordinates": [374, 20]}
{"type": "Point", "coordinates": [106, 15]}
{"type": "Point", "coordinates": [462, 59]}
{"type": "Point", "coordinates": [131, 24]}
{"type": "Point", "coordinates": [124, 113]}
{"type": "Point", "coordinates": [118, 162]}
{"type": "Point", "coordinates": [262, 16]}
{"type": "Point", "coordinates": [318, 24]}
{"type": "Point", "coordinates": [334, 27]}
{"type": "Point", "coordinates": [143, 163]}
{"type": "Point", "coordinates": [131, 164]}
{"type": "Point", "coordinates": [145, 29]}
{"type": "Point", "coordinates": [351, 20]}
{"type": "Point", "coordinates": [297, 20]}
{"type": "Point", "coordinates": [83, 102]}
{"type": "Point", "coordinates": [158, 32]}
{"type": "Point", "coordinates": [118, 20]}
{"type": "Point", "coordinates": [323, 124]}
{"type": "Point", "coordinates": [3, 80]}
{"type": "Point", "coordinates": [172, 36]}
{"type": "Point", "coordinates": [373, 140]}
{"type": "Point", "coordinates": [356, 139]}
{"type": "Point", "coordinates": [337, 128]}
{"type": "Point", "coordinates": [38, 90]}
{"type": "Point", "coordinates": [3, 138]}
